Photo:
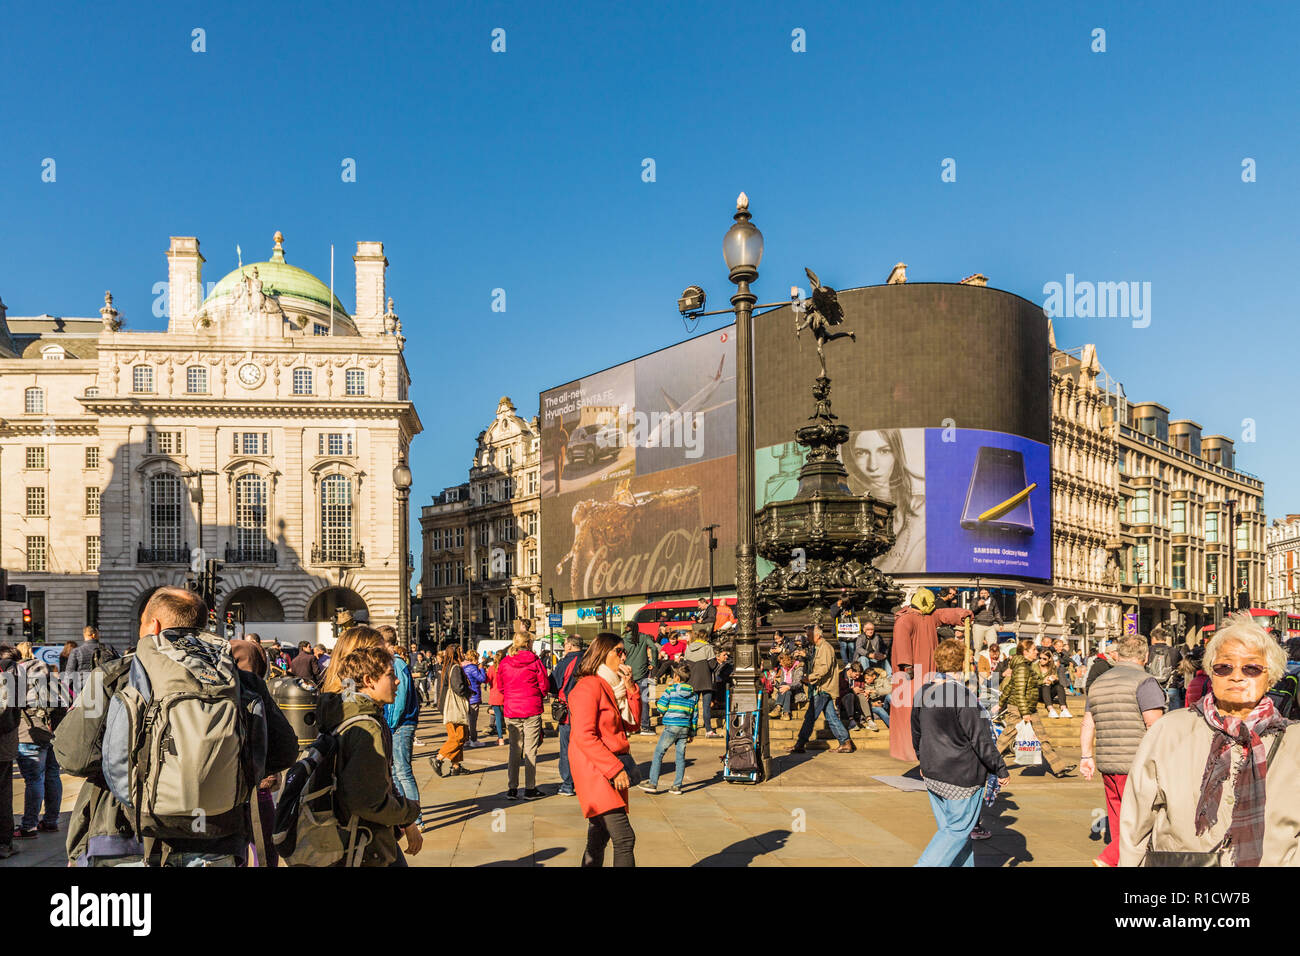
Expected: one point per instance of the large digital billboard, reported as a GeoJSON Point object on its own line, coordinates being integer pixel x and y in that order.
{"type": "Point", "coordinates": [636, 461]}
{"type": "Point", "coordinates": [946, 393]}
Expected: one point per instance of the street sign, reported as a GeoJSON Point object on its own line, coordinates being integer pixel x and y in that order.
{"type": "Point", "coordinates": [554, 620]}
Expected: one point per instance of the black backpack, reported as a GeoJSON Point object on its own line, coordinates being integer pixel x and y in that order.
{"type": "Point", "coordinates": [459, 682]}
{"type": "Point", "coordinates": [1283, 695]}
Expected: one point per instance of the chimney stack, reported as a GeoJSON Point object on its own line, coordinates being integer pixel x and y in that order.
{"type": "Point", "coordinates": [371, 285]}
{"type": "Point", "coordinates": [184, 282]}
{"type": "Point", "coordinates": [897, 275]}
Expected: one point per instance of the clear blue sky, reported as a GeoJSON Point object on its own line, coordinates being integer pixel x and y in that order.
{"type": "Point", "coordinates": [522, 171]}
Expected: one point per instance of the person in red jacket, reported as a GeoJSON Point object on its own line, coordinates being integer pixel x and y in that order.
{"type": "Point", "coordinates": [604, 707]}
{"type": "Point", "coordinates": [496, 700]}
{"type": "Point", "coordinates": [524, 684]}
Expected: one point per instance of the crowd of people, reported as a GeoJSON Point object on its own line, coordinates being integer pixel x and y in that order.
{"type": "Point", "coordinates": [1182, 735]}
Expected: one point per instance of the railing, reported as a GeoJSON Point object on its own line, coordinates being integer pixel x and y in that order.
{"type": "Point", "coordinates": [262, 555]}
{"type": "Point", "coordinates": [342, 557]}
{"type": "Point", "coordinates": [179, 555]}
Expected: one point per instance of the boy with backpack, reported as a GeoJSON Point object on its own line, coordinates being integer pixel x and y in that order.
{"type": "Point", "coordinates": [366, 790]}
{"type": "Point", "coordinates": [678, 705]}
{"type": "Point", "coordinates": [214, 727]}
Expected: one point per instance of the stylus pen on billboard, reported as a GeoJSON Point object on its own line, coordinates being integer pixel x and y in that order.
{"type": "Point", "coordinates": [997, 511]}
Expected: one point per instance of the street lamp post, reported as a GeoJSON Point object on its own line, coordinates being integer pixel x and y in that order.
{"type": "Point", "coordinates": [742, 248]}
{"type": "Point", "coordinates": [402, 482]}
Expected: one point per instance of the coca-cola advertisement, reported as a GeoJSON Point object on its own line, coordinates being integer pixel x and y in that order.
{"type": "Point", "coordinates": [636, 461]}
{"type": "Point", "coordinates": [642, 535]}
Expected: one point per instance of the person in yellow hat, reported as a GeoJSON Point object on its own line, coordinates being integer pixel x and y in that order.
{"type": "Point", "coordinates": [916, 635]}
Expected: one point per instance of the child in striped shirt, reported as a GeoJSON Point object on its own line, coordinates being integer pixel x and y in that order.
{"type": "Point", "coordinates": [678, 705]}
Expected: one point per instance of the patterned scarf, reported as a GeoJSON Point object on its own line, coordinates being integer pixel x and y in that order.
{"type": "Point", "coordinates": [1246, 831]}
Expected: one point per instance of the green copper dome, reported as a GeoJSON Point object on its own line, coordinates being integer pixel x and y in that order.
{"type": "Point", "coordinates": [279, 278]}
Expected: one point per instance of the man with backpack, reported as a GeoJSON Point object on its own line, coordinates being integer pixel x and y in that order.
{"type": "Point", "coordinates": [1163, 666]}
{"type": "Point", "coordinates": [89, 655]}
{"type": "Point", "coordinates": [563, 677]}
{"type": "Point", "coordinates": [215, 731]}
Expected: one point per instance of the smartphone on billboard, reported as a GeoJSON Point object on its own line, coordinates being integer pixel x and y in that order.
{"type": "Point", "coordinates": [998, 497]}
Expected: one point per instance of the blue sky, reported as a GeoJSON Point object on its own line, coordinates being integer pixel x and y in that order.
{"type": "Point", "coordinates": [522, 171]}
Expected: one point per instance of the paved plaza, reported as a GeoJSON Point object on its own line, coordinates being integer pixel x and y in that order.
{"type": "Point", "coordinates": [819, 809]}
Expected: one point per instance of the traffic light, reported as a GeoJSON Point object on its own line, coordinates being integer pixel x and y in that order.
{"type": "Point", "coordinates": [212, 583]}
{"type": "Point", "coordinates": [212, 622]}
{"type": "Point", "coordinates": [600, 608]}
{"type": "Point", "coordinates": [27, 624]}
{"type": "Point", "coordinates": [230, 625]}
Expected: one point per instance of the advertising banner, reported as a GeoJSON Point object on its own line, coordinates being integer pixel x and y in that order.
{"type": "Point", "coordinates": [636, 461]}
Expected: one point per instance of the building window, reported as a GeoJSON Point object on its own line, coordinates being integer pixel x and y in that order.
{"type": "Point", "coordinates": [142, 378]}
{"type": "Point", "coordinates": [92, 456]}
{"type": "Point", "coordinates": [92, 501]}
{"type": "Point", "coordinates": [510, 459]}
{"type": "Point", "coordinates": [36, 552]}
{"type": "Point", "coordinates": [92, 392]}
{"type": "Point", "coordinates": [334, 443]}
{"type": "Point", "coordinates": [302, 381]}
{"type": "Point", "coordinates": [355, 381]}
{"type": "Point", "coordinates": [1142, 507]}
{"type": "Point", "coordinates": [162, 443]}
{"type": "Point", "coordinates": [36, 502]}
{"type": "Point", "coordinates": [1211, 527]}
{"type": "Point", "coordinates": [532, 561]}
{"type": "Point", "coordinates": [1243, 537]}
{"type": "Point", "coordinates": [1179, 582]}
{"type": "Point", "coordinates": [319, 329]}
{"type": "Point", "coordinates": [34, 401]}
{"type": "Point", "coordinates": [92, 552]}
{"type": "Point", "coordinates": [530, 524]}
{"type": "Point", "coordinates": [53, 353]}
{"type": "Point", "coordinates": [506, 529]}
{"type": "Point", "coordinates": [483, 568]}
{"type": "Point", "coordinates": [250, 513]}
{"type": "Point", "coordinates": [532, 482]}
{"type": "Point", "coordinates": [35, 457]}
{"type": "Point", "coordinates": [1178, 517]}
{"type": "Point", "coordinates": [1122, 510]}
{"type": "Point", "coordinates": [165, 498]}
{"type": "Point", "coordinates": [1212, 573]}
{"type": "Point", "coordinates": [336, 517]}
{"type": "Point", "coordinates": [460, 537]}
{"type": "Point", "coordinates": [196, 380]}
{"type": "Point", "coordinates": [252, 443]}
{"type": "Point", "coordinates": [460, 572]}
{"type": "Point", "coordinates": [483, 533]}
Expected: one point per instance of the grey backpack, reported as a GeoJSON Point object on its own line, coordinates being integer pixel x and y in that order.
{"type": "Point", "coordinates": [184, 743]}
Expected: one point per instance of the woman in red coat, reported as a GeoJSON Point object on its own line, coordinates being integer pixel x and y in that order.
{"type": "Point", "coordinates": [604, 706]}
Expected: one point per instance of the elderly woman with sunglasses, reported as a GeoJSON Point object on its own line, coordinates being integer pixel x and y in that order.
{"type": "Point", "coordinates": [1215, 784]}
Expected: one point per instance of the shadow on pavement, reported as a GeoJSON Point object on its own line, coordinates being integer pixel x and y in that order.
{"type": "Point", "coordinates": [1006, 845]}
{"type": "Point", "coordinates": [532, 859]}
{"type": "Point", "coordinates": [743, 852]}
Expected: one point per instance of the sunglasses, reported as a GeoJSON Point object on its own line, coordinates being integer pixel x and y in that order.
{"type": "Point", "coordinates": [1248, 670]}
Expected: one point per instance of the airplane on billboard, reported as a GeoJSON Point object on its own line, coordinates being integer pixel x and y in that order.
{"type": "Point", "coordinates": [684, 411]}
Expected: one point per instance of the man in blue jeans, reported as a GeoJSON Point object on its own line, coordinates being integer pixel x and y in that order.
{"type": "Point", "coordinates": [563, 677]}
{"type": "Point", "coordinates": [823, 680]}
{"type": "Point", "coordinates": [678, 705]}
{"type": "Point", "coordinates": [402, 715]}
{"type": "Point", "coordinates": [35, 754]}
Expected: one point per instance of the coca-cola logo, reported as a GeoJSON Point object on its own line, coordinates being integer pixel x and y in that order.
{"type": "Point", "coordinates": [674, 563]}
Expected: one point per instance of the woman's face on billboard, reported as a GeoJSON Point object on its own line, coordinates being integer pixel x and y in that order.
{"type": "Point", "coordinates": [875, 459]}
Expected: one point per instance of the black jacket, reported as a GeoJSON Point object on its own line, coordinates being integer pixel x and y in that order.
{"type": "Point", "coordinates": [82, 657]}
{"type": "Point", "coordinates": [954, 743]}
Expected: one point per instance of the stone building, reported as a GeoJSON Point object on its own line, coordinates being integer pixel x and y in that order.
{"type": "Point", "coordinates": [1282, 587]}
{"type": "Point", "coordinates": [481, 566]}
{"type": "Point", "coordinates": [261, 428]}
{"type": "Point", "coordinates": [1084, 597]}
{"type": "Point", "coordinates": [1191, 522]}
{"type": "Point", "coordinates": [51, 472]}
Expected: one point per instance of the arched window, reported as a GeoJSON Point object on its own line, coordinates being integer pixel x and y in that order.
{"type": "Point", "coordinates": [165, 499]}
{"type": "Point", "coordinates": [250, 513]}
{"type": "Point", "coordinates": [336, 518]}
{"type": "Point", "coordinates": [34, 401]}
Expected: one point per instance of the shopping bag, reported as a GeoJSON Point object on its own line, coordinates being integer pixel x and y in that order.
{"type": "Point", "coordinates": [1029, 750]}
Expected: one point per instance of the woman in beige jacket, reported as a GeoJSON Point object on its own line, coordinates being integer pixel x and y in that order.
{"type": "Point", "coordinates": [1219, 779]}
